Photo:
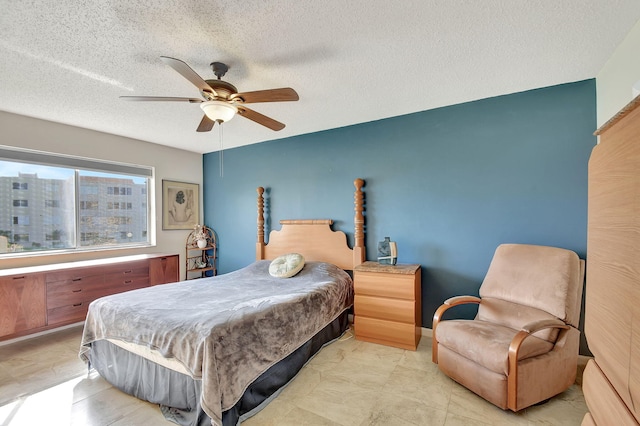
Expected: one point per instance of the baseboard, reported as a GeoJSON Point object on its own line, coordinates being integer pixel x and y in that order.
{"type": "Point", "coordinates": [41, 333]}
{"type": "Point", "coordinates": [582, 363]}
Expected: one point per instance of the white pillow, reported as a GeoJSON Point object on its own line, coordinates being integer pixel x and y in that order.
{"type": "Point", "coordinates": [287, 265]}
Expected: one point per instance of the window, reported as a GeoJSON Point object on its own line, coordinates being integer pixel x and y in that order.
{"type": "Point", "coordinates": [119, 220]}
{"type": "Point", "coordinates": [89, 236]}
{"type": "Point", "coordinates": [21, 220]}
{"type": "Point", "coordinates": [88, 205]}
{"type": "Point", "coordinates": [120, 191]}
{"type": "Point", "coordinates": [119, 206]}
{"type": "Point", "coordinates": [72, 203]}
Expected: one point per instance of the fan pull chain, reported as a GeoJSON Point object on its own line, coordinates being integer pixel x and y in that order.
{"type": "Point", "coordinates": [221, 156]}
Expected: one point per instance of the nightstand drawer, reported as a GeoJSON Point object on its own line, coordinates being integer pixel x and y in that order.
{"type": "Point", "coordinates": [398, 334]}
{"type": "Point", "coordinates": [396, 286]}
{"type": "Point", "coordinates": [386, 309]}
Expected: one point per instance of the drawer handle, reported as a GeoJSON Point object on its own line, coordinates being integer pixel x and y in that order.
{"type": "Point", "coordinates": [77, 279]}
{"type": "Point", "coordinates": [77, 304]}
{"type": "Point", "coordinates": [128, 272]}
{"type": "Point", "coordinates": [20, 277]}
{"type": "Point", "coordinates": [128, 281]}
{"type": "Point", "coordinates": [76, 291]}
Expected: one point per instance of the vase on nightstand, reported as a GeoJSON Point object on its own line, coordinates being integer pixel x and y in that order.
{"type": "Point", "coordinates": [387, 252]}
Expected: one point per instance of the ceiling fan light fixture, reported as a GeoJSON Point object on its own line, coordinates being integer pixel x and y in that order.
{"type": "Point", "coordinates": [219, 110]}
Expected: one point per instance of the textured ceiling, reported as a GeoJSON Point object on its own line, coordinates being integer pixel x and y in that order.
{"type": "Point", "coordinates": [350, 61]}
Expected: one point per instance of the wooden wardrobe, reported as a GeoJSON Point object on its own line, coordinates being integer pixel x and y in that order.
{"type": "Point", "coordinates": [611, 381]}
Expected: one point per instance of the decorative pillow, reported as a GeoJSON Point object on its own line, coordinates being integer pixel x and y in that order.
{"type": "Point", "coordinates": [287, 265]}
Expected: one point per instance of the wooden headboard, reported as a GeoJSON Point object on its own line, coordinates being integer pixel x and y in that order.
{"type": "Point", "coordinates": [314, 238]}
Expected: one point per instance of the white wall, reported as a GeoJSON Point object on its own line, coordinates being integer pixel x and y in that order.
{"type": "Point", "coordinates": [169, 163]}
{"type": "Point", "coordinates": [614, 81]}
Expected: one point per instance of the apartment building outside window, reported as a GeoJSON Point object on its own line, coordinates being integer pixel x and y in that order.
{"type": "Point", "coordinates": [50, 202]}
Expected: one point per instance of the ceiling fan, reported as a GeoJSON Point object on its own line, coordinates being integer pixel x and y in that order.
{"type": "Point", "coordinates": [220, 99]}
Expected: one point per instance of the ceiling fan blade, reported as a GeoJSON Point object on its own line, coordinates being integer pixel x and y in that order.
{"type": "Point", "coordinates": [273, 95]}
{"type": "Point", "coordinates": [160, 99]}
{"type": "Point", "coordinates": [186, 71]}
{"type": "Point", "coordinates": [205, 125]}
{"type": "Point", "coordinates": [260, 119]}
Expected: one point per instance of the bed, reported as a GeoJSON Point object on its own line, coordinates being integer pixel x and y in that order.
{"type": "Point", "coordinates": [216, 350]}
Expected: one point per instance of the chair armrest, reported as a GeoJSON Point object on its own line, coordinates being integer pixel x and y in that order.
{"type": "Point", "coordinates": [460, 300]}
{"type": "Point", "coordinates": [534, 326]}
{"type": "Point", "coordinates": [449, 303]}
{"type": "Point", "coordinates": [514, 348]}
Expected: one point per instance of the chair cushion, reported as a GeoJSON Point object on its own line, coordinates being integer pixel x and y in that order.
{"type": "Point", "coordinates": [545, 278]}
{"type": "Point", "coordinates": [487, 344]}
{"type": "Point", "coordinates": [515, 316]}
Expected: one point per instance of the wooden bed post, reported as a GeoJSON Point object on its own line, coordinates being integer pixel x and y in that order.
{"type": "Point", "coordinates": [359, 247]}
{"type": "Point", "coordinates": [314, 238]}
{"type": "Point", "coordinates": [260, 241]}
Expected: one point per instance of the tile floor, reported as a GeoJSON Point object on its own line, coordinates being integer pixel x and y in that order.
{"type": "Point", "coordinates": [350, 383]}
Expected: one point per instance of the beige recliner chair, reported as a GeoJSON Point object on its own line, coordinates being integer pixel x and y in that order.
{"type": "Point", "coordinates": [522, 347]}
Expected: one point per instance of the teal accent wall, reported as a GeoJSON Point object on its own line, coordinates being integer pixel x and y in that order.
{"type": "Point", "coordinates": [448, 185]}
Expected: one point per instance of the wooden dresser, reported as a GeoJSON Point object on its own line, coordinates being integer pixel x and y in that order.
{"type": "Point", "coordinates": [38, 298]}
{"type": "Point", "coordinates": [388, 304]}
{"type": "Point", "coordinates": [611, 380]}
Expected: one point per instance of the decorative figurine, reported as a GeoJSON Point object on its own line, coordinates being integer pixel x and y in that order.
{"type": "Point", "coordinates": [387, 252]}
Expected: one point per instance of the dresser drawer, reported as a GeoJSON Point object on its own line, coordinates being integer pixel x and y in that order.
{"type": "Point", "coordinates": [133, 273]}
{"type": "Point", "coordinates": [387, 309]}
{"type": "Point", "coordinates": [58, 296]}
{"type": "Point", "coordinates": [76, 274]}
{"type": "Point", "coordinates": [89, 288]}
{"type": "Point", "coordinates": [73, 281]}
{"type": "Point", "coordinates": [125, 284]}
{"type": "Point", "coordinates": [60, 293]}
{"type": "Point", "coordinates": [131, 269]}
{"type": "Point", "coordinates": [67, 314]}
{"type": "Point", "coordinates": [127, 279]}
{"type": "Point", "coordinates": [385, 285]}
{"type": "Point", "coordinates": [398, 334]}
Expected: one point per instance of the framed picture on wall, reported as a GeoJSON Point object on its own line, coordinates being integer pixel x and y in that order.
{"type": "Point", "coordinates": [180, 205]}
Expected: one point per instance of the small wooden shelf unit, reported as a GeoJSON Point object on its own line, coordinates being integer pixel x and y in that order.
{"type": "Point", "coordinates": [387, 307]}
{"type": "Point", "coordinates": [201, 261]}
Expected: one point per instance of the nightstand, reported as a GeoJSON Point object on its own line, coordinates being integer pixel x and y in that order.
{"type": "Point", "coordinates": [387, 307]}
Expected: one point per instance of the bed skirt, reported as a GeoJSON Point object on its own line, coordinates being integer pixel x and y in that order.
{"type": "Point", "coordinates": [179, 395]}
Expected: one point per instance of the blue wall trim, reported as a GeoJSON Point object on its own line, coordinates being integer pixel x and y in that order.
{"type": "Point", "coordinates": [448, 185]}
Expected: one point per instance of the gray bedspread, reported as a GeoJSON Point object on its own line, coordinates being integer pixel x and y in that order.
{"type": "Point", "coordinates": [226, 330]}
